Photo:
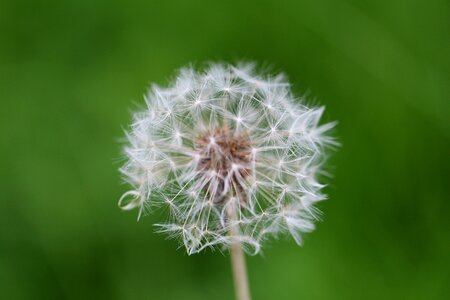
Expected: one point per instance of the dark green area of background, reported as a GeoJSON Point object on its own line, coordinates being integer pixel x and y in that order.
{"type": "Point", "coordinates": [71, 72]}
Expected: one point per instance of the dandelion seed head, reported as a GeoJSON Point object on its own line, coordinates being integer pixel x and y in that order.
{"type": "Point", "coordinates": [227, 139]}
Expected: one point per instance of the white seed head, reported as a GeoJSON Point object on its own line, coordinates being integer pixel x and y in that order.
{"type": "Point", "coordinates": [227, 142]}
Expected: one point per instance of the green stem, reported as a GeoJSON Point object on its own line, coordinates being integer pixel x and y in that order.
{"type": "Point", "coordinates": [238, 266]}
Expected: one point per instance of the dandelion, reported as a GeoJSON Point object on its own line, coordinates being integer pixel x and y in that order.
{"type": "Point", "coordinates": [233, 156]}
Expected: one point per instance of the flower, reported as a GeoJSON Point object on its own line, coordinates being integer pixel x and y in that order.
{"type": "Point", "coordinates": [227, 151]}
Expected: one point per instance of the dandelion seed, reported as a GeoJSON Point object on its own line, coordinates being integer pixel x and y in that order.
{"type": "Point", "coordinates": [222, 134]}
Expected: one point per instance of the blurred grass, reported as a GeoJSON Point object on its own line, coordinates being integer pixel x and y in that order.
{"type": "Point", "coordinates": [70, 71]}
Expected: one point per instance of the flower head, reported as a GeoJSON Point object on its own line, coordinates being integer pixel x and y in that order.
{"type": "Point", "coordinates": [227, 150]}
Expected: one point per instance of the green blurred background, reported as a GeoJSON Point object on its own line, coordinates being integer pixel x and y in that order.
{"type": "Point", "coordinates": [71, 72]}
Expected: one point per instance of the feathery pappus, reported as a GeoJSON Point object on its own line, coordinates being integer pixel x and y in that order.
{"type": "Point", "coordinates": [227, 148]}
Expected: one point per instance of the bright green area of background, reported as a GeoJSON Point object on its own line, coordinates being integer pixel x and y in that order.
{"type": "Point", "coordinates": [71, 71]}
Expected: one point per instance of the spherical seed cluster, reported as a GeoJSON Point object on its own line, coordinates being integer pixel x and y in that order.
{"type": "Point", "coordinates": [226, 148]}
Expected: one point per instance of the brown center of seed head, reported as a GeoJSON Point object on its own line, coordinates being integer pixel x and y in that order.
{"type": "Point", "coordinates": [226, 158]}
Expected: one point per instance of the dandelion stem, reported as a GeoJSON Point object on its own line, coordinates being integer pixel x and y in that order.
{"type": "Point", "coordinates": [239, 269]}
{"type": "Point", "coordinates": [239, 272]}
